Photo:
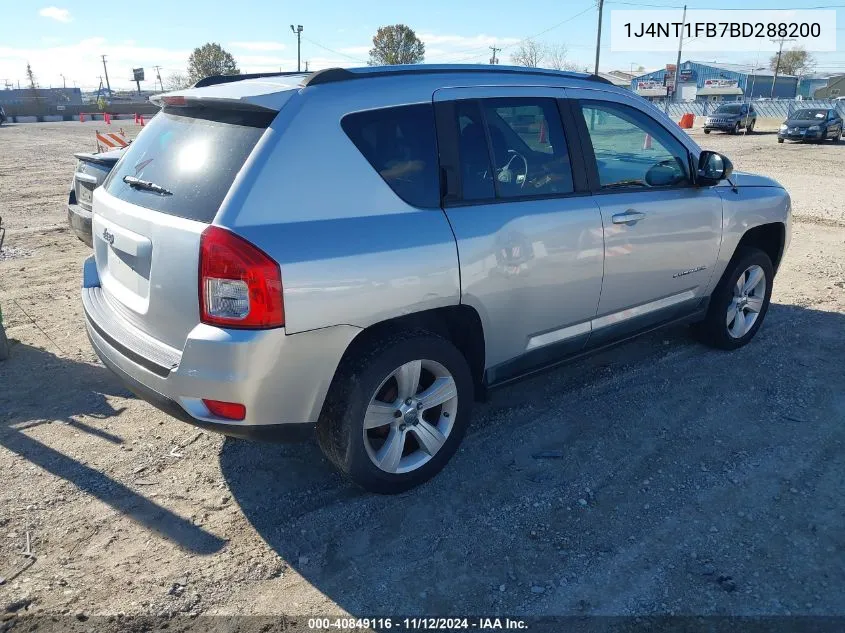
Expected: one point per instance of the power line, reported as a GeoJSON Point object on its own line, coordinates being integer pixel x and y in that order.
{"type": "Point", "coordinates": [530, 37]}
{"type": "Point", "coordinates": [331, 50]}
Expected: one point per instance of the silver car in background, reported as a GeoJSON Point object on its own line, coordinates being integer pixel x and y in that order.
{"type": "Point", "coordinates": [91, 171]}
{"type": "Point", "coordinates": [369, 250]}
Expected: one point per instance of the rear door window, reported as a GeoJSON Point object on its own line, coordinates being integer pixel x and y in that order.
{"type": "Point", "coordinates": [528, 147]}
{"type": "Point", "coordinates": [193, 153]}
{"type": "Point", "coordinates": [400, 143]}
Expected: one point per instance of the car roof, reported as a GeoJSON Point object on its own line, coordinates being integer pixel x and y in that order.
{"type": "Point", "coordinates": [271, 91]}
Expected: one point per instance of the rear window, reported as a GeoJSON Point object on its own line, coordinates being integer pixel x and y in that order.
{"type": "Point", "coordinates": [195, 153]}
{"type": "Point", "coordinates": [400, 143]}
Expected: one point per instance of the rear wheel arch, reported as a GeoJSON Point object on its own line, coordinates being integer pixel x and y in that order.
{"type": "Point", "coordinates": [459, 324]}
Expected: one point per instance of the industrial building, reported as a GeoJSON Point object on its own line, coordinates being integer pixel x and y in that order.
{"type": "Point", "coordinates": [712, 81]}
{"type": "Point", "coordinates": [45, 97]}
{"type": "Point", "coordinates": [833, 89]}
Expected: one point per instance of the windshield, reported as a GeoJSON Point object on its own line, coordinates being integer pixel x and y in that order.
{"type": "Point", "coordinates": [194, 154]}
{"type": "Point", "coordinates": [809, 115]}
{"type": "Point", "coordinates": [728, 109]}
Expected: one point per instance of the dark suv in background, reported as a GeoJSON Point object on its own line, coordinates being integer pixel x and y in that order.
{"type": "Point", "coordinates": [732, 117]}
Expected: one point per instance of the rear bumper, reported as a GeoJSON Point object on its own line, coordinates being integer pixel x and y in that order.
{"type": "Point", "coordinates": [282, 380]}
{"type": "Point", "coordinates": [80, 223]}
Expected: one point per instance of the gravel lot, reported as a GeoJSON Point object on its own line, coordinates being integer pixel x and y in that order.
{"type": "Point", "coordinates": [677, 479]}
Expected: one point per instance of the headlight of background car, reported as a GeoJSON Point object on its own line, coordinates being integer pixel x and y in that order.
{"type": "Point", "coordinates": [813, 128]}
{"type": "Point", "coordinates": [784, 127]}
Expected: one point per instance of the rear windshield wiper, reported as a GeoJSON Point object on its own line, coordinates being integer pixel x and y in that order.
{"type": "Point", "coordinates": [137, 183]}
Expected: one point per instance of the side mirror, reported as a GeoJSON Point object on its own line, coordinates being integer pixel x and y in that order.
{"type": "Point", "coordinates": [713, 167]}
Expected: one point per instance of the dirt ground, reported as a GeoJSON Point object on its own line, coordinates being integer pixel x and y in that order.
{"type": "Point", "coordinates": [687, 480]}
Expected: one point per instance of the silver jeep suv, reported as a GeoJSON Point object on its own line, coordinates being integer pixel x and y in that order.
{"type": "Point", "coordinates": [369, 250]}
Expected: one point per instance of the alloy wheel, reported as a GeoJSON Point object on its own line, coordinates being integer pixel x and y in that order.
{"type": "Point", "coordinates": [410, 416]}
{"type": "Point", "coordinates": [749, 295]}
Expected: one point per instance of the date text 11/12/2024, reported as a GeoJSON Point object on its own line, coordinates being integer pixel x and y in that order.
{"type": "Point", "coordinates": [418, 624]}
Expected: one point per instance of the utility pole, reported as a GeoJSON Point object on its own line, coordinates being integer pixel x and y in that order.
{"type": "Point", "coordinates": [494, 59]}
{"type": "Point", "coordinates": [298, 32]}
{"type": "Point", "coordinates": [777, 64]}
{"type": "Point", "coordinates": [105, 70]}
{"type": "Point", "coordinates": [64, 80]}
{"type": "Point", "coordinates": [306, 65]}
{"type": "Point", "coordinates": [598, 36]}
{"type": "Point", "coordinates": [678, 64]}
{"type": "Point", "coordinates": [158, 74]}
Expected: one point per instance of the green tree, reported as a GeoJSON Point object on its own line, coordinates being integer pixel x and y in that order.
{"type": "Point", "coordinates": [211, 59]}
{"type": "Point", "coordinates": [793, 62]}
{"type": "Point", "coordinates": [396, 44]}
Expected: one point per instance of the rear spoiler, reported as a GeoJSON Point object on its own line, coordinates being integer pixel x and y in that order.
{"type": "Point", "coordinates": [214, 80]}
{"type": "Point", "coordinates": [199, 101]}
{"type": "Point", "coordinates": [96, 158]}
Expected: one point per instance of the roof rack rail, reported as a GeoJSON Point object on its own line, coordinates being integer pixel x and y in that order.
{"type": "Point", "coordinates": [225, 79]}
{"type": "Point", "coordinates": [333, 75]}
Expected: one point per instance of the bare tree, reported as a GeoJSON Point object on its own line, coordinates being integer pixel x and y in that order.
{"type": "Point", "coordinates": [177, 81]}
{"type": "Point", "coordinates": [535, 54]}
{"type": "Point", "coordinates": [530, 53]}
{"type": "Point", "coordinates": [555, 55]}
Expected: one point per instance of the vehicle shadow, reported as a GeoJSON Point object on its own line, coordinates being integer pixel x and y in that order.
{"type": "Point", "coordinates": [503, 523]}
{"type": "Point", "coordinates": [78, 389]}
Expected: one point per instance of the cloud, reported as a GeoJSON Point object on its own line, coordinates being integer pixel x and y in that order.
{"type": "Point", "coordinates": [258, 46]}
{"type": "Point", "coordinates": [61, 15]}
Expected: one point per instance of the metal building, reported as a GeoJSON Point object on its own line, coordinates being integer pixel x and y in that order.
{"type": "Point", "coordinates": [714, 81]}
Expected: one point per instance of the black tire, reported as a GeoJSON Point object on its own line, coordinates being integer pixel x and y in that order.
{"type": "Point", "coordinates": [750, 129]}
{"type": "Point", "coordinates": [736, 128]}
{"type": "Point", "coordinates": [780, 140]}
{"type": "Point", "coordinates": [340, 431]}
{"type": "Point", "coordinates": [713, 330]}
{"type": "Point", "coordinates": [707, 131]}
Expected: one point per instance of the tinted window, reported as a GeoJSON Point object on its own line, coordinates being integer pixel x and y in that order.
{"type": "Point", "coordinates": [528, 147]}
{"type": "Point", "coordinates": [728, 109]}
{"type": "Point", "coordinates": [633, 150]}
{"type": "Point", "coordinates": [193, 153]}
{"type": "Point", "coordinates": [400, 143]}
{"type": "Point", "coordinates": [473, 153]}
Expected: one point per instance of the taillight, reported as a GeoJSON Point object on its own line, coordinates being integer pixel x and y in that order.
{"type": "Point", "coordinates": [240, 285]}
{"type": "Point", "coordinates": [228, 410]}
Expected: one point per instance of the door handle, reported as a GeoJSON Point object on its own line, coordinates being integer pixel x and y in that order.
{"type": "Point", "coordinates": [629, 217]}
